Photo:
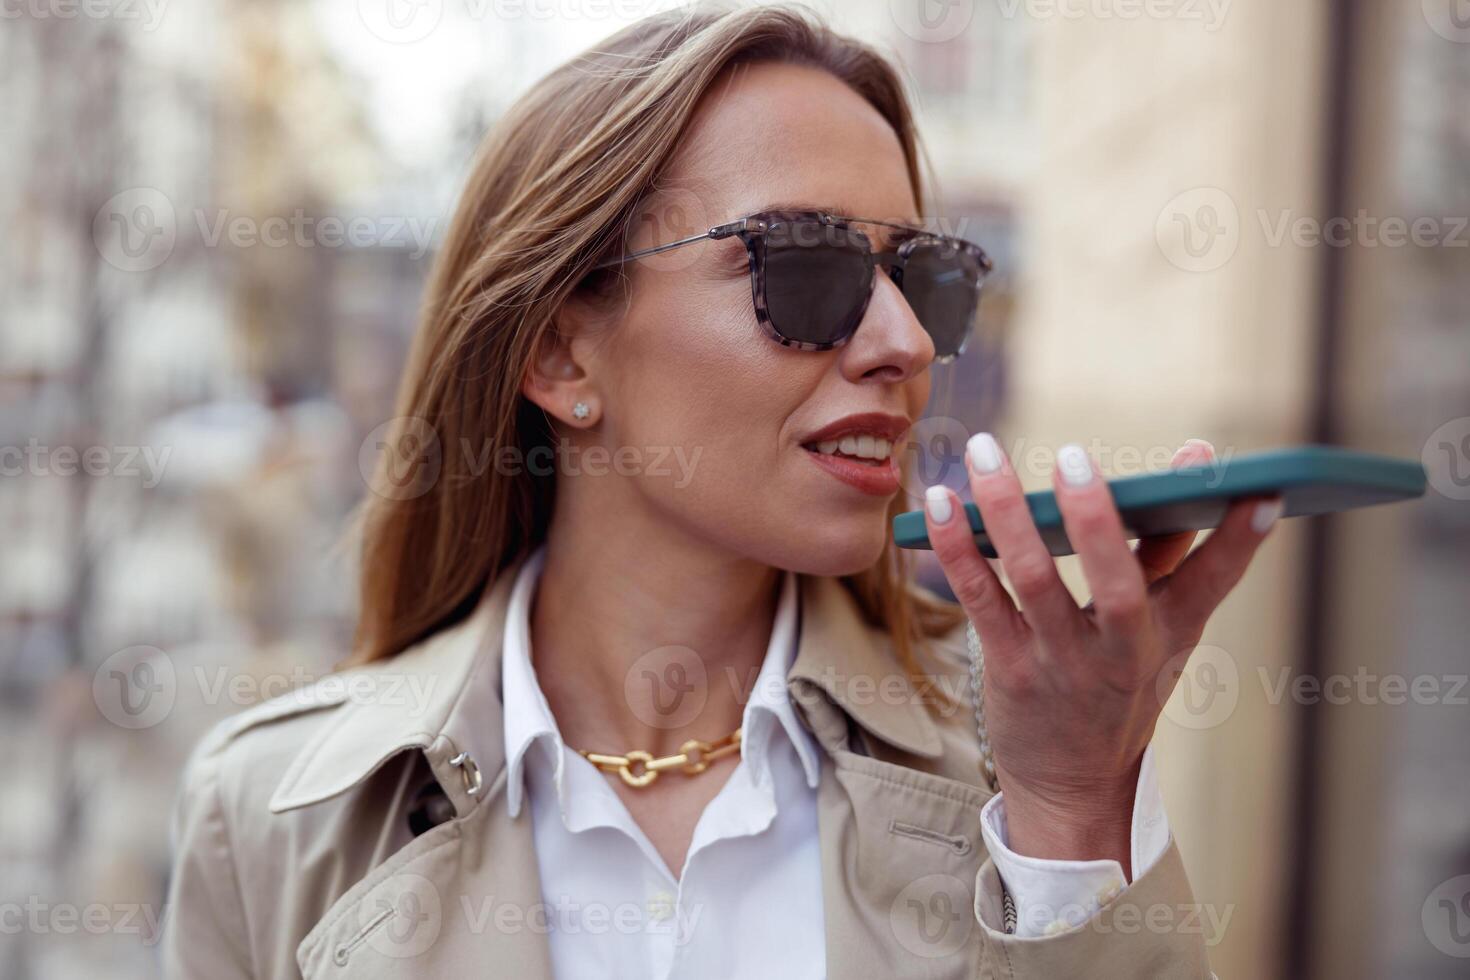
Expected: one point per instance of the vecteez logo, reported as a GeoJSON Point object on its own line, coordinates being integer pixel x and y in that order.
{"type": "Point", "coordinates": [932, 21]}
{"type": "Point", "coordinates": [1450, 19]}
{"type": "Point", "coordinates": [1199, 230]}
{"type": "Point", "coordinates": [1446, 458]}
{"type": "Point", "coordinates": [1199, 688]}
{"type": "Point", "coordinates": [401, 459]}
{"type": "Point", "coordinates": [136, 229]}
{"type": "Point", "coordinates": [400, 21]}
{"type": "Point", "coordinates": [147, 13]}
{"type": "Point", "coordinates": [135, 688]}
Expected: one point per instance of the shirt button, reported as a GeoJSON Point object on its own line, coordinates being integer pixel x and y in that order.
{"type": "Point", "coordinates": [1108, 894]}
{"type": "Point", "coordinates": [661, 906]}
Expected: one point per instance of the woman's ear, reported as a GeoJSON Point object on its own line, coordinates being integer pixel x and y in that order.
{"type": "Point", "coordinates": [558, 380]}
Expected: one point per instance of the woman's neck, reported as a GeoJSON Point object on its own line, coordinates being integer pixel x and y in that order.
{"type": "Point", "coordinates": [642, 638]}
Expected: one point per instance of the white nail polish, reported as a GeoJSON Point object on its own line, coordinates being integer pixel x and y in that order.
{"type": "Point", "coordinates": [1075, 466]}
{"type": "Point", "coordinates": [1266, 514]}
{"type": "Point", "coordinates": [984, 452]}
{"type": "Point", "coordinates": [1191, 447]}
{"type": "Point", "coordinates": [936, 499]}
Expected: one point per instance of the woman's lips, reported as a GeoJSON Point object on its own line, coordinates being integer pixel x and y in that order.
{"type": "Point", "coordinates": [880, 479]}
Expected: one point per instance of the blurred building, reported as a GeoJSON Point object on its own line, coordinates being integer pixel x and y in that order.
{"type": "Point", "coordinates": [1167, 294]}
{"type": "Point", "coordinates": [209, 378]}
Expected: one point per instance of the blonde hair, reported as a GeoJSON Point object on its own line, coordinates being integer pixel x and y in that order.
{"type": "Point", "coordinates": [555, 184]}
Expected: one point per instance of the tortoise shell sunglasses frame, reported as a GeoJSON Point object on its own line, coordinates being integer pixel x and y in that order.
{"type": "Point", "coordinates": [837, 232]}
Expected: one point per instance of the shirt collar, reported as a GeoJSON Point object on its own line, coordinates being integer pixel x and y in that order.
{"type": "Point", "coordinates": [528, 717]}
{"type": "Point", "coordinates": [771, 701]}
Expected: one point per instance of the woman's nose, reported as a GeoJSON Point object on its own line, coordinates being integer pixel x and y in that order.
{"type": "Point", "coordinates": [890, 344]}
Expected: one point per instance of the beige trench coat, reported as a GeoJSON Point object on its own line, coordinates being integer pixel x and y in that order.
{"type": "Point", "coordinates": [294, 855]}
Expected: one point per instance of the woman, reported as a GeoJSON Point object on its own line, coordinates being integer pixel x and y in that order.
{"type": "Point", "coordinates": [641, 687]}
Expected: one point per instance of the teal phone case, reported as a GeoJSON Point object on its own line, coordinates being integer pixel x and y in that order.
{"type": "Point", "coordinates": [1310, 479]}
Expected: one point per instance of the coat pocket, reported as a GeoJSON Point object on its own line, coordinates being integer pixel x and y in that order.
{"type": "Point", "coordinates": [384, 925]}
{"type": "Point", "coordinates": [960, 844]}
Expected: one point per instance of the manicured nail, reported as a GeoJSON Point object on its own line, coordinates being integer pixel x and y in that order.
{"type": "Point", "coordinates": [984, 452]}
{"type": "Point", "coordinates": [1193, 444]}
{"type": "Point", "coordinates": [936, 499]}
{"type": "Point", "coordinates": [1267, 514]}
{"type": "Point", "coordinates": [1075, 466]}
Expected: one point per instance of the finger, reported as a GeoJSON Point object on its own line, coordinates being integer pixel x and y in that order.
{"type": "Point", "coordinates": [997, 623]}
{"type": "Point", "coordinates": [1047, 604]}
{"type": "Point", "coordinates": [1119, 592]}
{"type": "Point", "coordinates": [1189, 596]}
{"type": "Point", "coordinates": [1161, 555]}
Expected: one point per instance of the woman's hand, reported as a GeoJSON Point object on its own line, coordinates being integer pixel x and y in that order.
{"type": "Point", "coordinates": [1072, 694]}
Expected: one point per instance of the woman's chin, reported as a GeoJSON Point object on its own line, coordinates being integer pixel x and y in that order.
{"type": "Point", "coordinates": [838, 548]}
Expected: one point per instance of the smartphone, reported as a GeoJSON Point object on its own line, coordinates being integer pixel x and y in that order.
{"type": "Point", "coordinates": [1310, 479]}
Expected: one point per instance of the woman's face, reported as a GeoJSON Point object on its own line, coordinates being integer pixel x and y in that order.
{"type": "Point", "coordinates": [687, 370]}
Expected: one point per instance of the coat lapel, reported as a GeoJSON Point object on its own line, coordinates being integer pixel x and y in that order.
{"type": "Point", "coordinates": [900, 844]}
{"type": "Point", "coordinates": [843, 661]}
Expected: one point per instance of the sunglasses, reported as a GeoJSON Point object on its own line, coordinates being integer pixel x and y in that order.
{"type": "Point", "coordinates": [813, 273]}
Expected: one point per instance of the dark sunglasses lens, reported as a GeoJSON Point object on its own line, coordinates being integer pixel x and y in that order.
{"type": "Point", "coordinates": [817, 281]}
{"type": "Point", "coordinates": [941, 283]}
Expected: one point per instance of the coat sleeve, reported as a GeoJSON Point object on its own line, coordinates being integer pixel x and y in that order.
{"type": "Point", "coordinates": [205, 929]}
{"type": "Point", "coordinates": [1151, 930]}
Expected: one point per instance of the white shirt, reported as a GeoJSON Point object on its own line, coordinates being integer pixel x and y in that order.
{"type": "Point", "coordinates": [748, 901]}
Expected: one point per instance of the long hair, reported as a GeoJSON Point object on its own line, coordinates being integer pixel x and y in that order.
{"type": "Point", "coordinates": [553, 188]}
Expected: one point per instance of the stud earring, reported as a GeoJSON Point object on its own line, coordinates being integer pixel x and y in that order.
{"type": "Point", "coordinates": [580, 410]}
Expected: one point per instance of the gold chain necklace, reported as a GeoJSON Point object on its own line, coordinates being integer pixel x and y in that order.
{"type": "Point", "coordinates": [639, 768]}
